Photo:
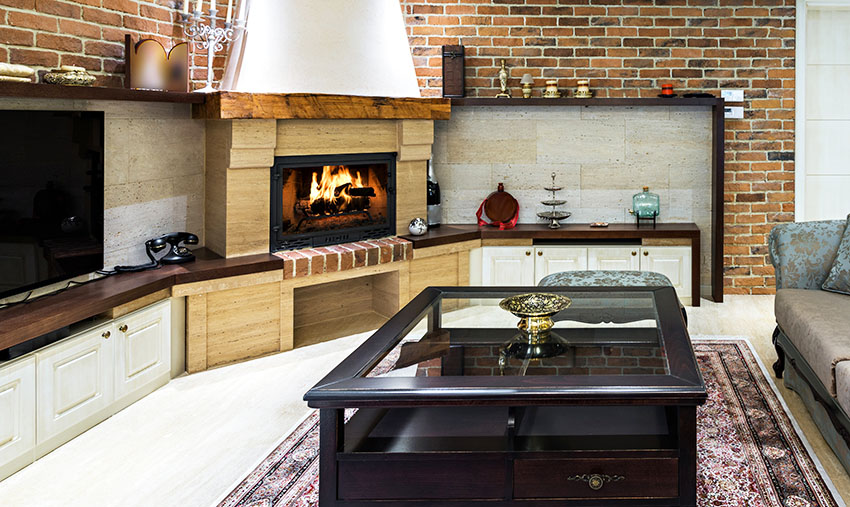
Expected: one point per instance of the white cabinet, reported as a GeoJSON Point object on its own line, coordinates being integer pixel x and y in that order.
{"type": "Point", "coordinates": [142, 349]}
{"type": "Point", "coordinates": [672, 261]}
{"type": "Point", "coordinates": [75, 386]}
{"type": "Point", "coordinates": [613, 258]}
{"type": "Point", "coordinates": [526, 266]}
{"type": "Point", "coordinates": [548, 260]}
{"type": "Point", "coordinates": [17, 415]}
{"type": "Point", "coordinates": [507, 266]}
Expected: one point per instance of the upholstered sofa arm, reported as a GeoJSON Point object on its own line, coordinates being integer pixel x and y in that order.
{"type": "Point", "coordinates": [802, 253]}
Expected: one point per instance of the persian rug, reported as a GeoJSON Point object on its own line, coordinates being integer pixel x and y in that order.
{"type": "Point", "coordinates": [750, 453]}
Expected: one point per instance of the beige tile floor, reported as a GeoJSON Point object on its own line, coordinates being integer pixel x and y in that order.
{"type": "Point", "coordinates": [189, 442]}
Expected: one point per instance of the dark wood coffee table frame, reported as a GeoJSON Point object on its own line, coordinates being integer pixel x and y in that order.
{"type": "Point", "coordinates": [661, 473]}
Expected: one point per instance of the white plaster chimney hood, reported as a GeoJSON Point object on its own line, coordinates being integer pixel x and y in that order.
{"type": "Point", "coordinates": [344, 47]}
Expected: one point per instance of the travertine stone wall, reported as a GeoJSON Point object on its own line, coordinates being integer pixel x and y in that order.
{"type": "Point", "coordinates": [153, 171]}
{"type": "Point", "coordinates": [601, 156]}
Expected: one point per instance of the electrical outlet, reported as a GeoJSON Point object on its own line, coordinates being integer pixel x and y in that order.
{"type": "Point", "coordinates": [734, 112]}
{"type": "Point", "coordinates": [732, 95]}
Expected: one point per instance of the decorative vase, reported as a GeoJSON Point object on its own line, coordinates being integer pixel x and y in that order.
{"type": "Point", "coordinates": [417, 227]}
{"type": "Point", "coordinates": [583, 90]}
{"type": "Point", "coordinates": [552, 91]}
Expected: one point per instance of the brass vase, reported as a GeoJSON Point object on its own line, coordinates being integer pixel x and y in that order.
{"type": "Point", "coordinates": [535, 312]}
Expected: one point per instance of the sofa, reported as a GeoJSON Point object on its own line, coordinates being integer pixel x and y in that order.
{"type": "Point", "coordinates": [812, 336]}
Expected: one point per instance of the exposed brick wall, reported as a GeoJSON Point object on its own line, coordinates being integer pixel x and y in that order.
{"type": "Point", "coordinates": [627, 48]}
{"type": "Point", "coordinates": [90, 33]}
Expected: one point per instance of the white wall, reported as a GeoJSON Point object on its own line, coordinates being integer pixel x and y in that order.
{"type": "Point", "coordinates": [823, 112]}
{"type": "Point", "coordinates": [350, 47]}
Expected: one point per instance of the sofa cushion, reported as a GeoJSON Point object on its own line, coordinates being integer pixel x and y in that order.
{"type": "Point", "coordinates": [803, 252]}
{"type": "Point", "coordinates": [838, 279]}
{"type": "Point", "coordinates": [818, 323]}
{"type": "Point", "coordinates": [842, 384]}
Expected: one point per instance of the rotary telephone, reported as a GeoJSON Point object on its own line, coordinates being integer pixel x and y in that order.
{"type": "Point", "coordinates": [177, 253]}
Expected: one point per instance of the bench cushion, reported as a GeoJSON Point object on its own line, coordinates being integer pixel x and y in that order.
{"type": "Point", "coordinates": [817, 323]}
{"type": "Point", "coordinates": [842, 384]}
{"type": "Point", "coordinates": [603, 278]}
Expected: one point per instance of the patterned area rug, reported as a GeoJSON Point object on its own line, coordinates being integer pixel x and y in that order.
{"type": "Point", "coordinates": [749, 452]}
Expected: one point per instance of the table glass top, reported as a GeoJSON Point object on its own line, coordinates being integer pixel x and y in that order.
{"type": "Point", "coordinates": [599, 333]}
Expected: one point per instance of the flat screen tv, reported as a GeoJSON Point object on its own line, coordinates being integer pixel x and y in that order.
{"type": "Point", "coordinates": [51, 197]}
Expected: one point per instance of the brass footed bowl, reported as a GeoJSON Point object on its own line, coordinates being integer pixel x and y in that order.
{"type": "Point", "coordinates": [535, 311]}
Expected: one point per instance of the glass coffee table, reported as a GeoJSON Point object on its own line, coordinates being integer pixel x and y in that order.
{"type": "Point", "coordinates": [450, 403]}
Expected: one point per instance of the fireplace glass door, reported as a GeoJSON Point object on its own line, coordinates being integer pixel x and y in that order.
{"type": "Point", "coordinates": [330, 199]}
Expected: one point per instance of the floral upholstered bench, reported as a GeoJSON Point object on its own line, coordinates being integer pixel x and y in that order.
{"type": "Point", "coordinates": [601, 278]}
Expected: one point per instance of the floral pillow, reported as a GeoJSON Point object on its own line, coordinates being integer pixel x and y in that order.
{"type": "Point", "coordinates": [839, 276]}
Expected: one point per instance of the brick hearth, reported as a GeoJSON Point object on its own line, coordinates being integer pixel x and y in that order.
{"type": "Point", "coordinates": [330, 259]}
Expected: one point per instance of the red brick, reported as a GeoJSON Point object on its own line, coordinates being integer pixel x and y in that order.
{"type": "Point", "coordinates": [59, 42]}
{"type": "Point", "coordinates": [63, 9]}
{"type": "Point", "coordinates": [33, 57]}
{"type": "Point", "coordinates": [36, 21]}
{"type": "Point", "coordinates": [15, 37]}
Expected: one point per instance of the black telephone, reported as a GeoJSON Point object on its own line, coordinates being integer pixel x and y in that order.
{"type": "Point", "coordinates": [176, 254]}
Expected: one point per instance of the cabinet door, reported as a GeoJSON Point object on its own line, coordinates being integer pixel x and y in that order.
{"type": "Point", "coordinates": [672, 261]}
{"type": "Point", "coordinates": [554, 259]}
{"type": "Point", "coordinates": [142, 348]}
{"type": "Point", "coordinates": [613, 258]}
{"type": "Point", "coordinates": [17, 416]}
{"type": "Point", "coordinates": [75, 385]}
{"type": "Point", "coordinates": [507, 266]}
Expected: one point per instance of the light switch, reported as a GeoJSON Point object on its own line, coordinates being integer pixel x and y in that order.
{"type": "Point", "coordinates": [732, 95]}
{"type": "Point", "coordinates": [735, 112]}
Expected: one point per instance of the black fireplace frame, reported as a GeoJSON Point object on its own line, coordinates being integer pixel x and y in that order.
{"type": "Point", "coordinates": [280, 241]}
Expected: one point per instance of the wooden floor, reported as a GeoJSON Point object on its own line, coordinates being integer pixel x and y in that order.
{"type": "Point", "coordinates": [188, 443]}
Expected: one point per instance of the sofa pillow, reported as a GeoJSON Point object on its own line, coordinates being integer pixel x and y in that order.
{"type": "Point", "coordinates": [839, 276]}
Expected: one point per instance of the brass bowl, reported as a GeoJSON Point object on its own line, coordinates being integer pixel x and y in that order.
{"type": "Point", "coordinates": [535, 312]}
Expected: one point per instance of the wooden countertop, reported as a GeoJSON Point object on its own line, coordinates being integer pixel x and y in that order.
{"type": "Point", "coordinates": [464, 232]}
{"type": "Point", "coordinates": [52, 91]}
{"type": "Point", "coordinates": [22, 322]}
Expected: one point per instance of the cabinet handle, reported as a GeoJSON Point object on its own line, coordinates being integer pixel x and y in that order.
{"type": "Point", "coordinates": [634, 253]}
{"type": "Point", "coordinates": [106, 335]}
{"type": "Point", "coordinates": [645, 253]}
{"type": "Point", "coordinates": [123, 328]}
{"type": "Point", "coordinates": [540, 253]}
{"type": "Point", "coordinates": [528, 252]}
{"type": "Point", "coordinates": [595, 481]}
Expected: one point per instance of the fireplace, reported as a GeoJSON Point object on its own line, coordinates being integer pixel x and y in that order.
{"type": "Point", "coordinates": [329, 199]}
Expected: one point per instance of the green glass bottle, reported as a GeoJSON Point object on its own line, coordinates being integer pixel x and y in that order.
{"type": "Point", "coordinates": [646, 204]}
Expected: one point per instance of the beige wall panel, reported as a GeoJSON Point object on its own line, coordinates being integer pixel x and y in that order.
{"type": "Point", "coordinates": [464, 246]}
{"type": "Point", "coordinates": [243, 323]}
{"type": "Point", "coordinates": [415, 132]}
{"type": "Point", "coordinates": [411, 193]}
{"type": "Point", "coordinates": [247, 211]}
{"type": "Point", "coordinates": [317, 137]}
{"type": "Point", "coordinates": [433, 271]}
{"type": "Point", "coordinates": [196, 333]}
{"type": "Point", "coordinates": [385, 294]}
{"type": "Point", "coordinates": [414, 152]}
{"type": "Point", "coordinates": [215, 188]}
{"type": "Point", "coordinates": [254, 133]}
{"type": "Point", "coordinates": [231, 282]}
{"type": "Point", "coordinates": [287, 316]}
{"type": "Point", "coordinates": [319, 303]}
{"type": "Point", "coordinates": [241, 158]}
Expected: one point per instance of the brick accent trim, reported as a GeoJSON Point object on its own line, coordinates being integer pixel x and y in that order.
{"type": "Point", "coordinates": [329, 259]}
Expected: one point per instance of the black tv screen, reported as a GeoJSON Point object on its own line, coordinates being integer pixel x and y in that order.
{"type": "Point", "coordinates": [51, 197]}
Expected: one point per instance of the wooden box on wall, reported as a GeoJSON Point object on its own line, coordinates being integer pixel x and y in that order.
{"type": "Point", "coordinates": [453, 83]}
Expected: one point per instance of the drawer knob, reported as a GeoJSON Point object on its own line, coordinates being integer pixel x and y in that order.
{"type": "Point", "coordinates": [123, 328]}
{"type": "Point", "coordinates": [634, 252]}
{"type": "Point", "coordinates": [595, 481]}
{"type": "Point", "coordinates": [528, 252]}
{"type": "Point", "coordinates": [106, 335]}
{"type": "Point", "coordinates": [645, 253]}
{"type": "Point", "coordinates": [540, 253]}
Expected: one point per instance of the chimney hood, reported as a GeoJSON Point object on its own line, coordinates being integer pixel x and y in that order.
{"type": "Point", "coordinates": [344, 47]}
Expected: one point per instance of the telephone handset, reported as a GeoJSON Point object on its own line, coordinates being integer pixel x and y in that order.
{"type": "Point", "coordinates": [176, 254]}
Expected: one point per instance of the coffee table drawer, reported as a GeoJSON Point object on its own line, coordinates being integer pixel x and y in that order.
{"type": "Point", "coordinates": [596, 478]}
{"type": "Point", "coordinates": [422, 479]}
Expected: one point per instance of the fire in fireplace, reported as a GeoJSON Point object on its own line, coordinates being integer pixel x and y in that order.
{"type": "Point", "coordinates": [329, 199]}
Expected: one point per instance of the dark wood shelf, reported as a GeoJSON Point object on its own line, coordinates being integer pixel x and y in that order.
{"type": "Point", "coordinates": [50, 91]}
{"type": "Point", "coordinates": [464, 232]}
{"type": "Point", "coordinates": [602, 101]}
{"type": "Point", "coordinates": [22, 322]}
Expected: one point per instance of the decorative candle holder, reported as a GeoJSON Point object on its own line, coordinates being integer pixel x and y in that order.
{"type": "Point", "coordinates": [209, 37]}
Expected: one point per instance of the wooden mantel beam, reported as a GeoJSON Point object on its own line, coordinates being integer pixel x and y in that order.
{"type": "Point", "coordinates": [302, 106]}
